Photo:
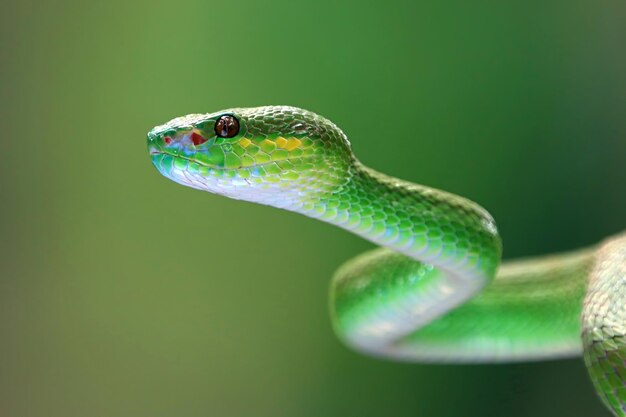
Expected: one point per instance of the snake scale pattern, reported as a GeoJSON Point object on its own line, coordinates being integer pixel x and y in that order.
{"type": "Point", "coordinates": [435, 290]}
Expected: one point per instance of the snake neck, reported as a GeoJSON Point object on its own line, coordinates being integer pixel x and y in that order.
{"type": "Point", "coordinates": [453, 242]}
{"type": "Point", "coordinates": [428, 225]}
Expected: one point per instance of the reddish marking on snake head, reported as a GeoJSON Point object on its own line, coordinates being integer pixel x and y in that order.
{"type": "Point", "coordinates": [197, 139]}
{"type": "Point", "coordinates": [167, 140]}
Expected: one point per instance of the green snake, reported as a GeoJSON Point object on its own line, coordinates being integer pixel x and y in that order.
{"type": "Point", "coordinates": [434, 291]}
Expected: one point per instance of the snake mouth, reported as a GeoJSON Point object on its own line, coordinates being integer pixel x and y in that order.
{"type": "Point", "coordinates": [154, 152]}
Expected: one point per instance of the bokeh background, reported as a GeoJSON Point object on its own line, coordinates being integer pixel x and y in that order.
{"type": "Point", "coordinates": [123, 294]}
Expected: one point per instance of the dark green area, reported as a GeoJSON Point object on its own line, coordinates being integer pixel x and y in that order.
{"type": "Point", "coordinates": [124, 294]}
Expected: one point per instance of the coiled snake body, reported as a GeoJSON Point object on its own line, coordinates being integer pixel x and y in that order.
{"type": "Point", "coordinates": [430, 293]}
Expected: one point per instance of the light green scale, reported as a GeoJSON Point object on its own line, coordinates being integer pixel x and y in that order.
{"type": "Point", "coordinates": [430, 293]}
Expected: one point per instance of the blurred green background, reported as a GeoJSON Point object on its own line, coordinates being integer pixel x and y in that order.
{"type": "Point", "coordinates": [124, 294]}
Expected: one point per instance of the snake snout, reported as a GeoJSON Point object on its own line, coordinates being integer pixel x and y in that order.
{"type": "Point", "coordinates": [160, 139]}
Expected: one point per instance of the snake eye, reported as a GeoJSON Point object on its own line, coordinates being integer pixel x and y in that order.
{"type": "Point", "coordinates": [227, 127]}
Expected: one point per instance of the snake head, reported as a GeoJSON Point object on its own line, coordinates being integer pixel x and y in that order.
{"type": "Point", "coordinates": [274, 155]}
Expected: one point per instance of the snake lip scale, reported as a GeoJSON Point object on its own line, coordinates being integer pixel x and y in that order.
{"type": "Point", "coordinates": [435, 290]}
{"type": "Point", "coordinates": [156, 152]}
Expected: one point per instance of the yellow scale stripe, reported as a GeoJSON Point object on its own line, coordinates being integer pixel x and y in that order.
{"type": "Point", "coordinates": [289, 144]}
{"type": "Point", "coordinates": [244, 142]}
{"type": "Point", "coordinates": [280, 142]}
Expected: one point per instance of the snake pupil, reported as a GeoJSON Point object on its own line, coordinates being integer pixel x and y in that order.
{"type": "Point", "coordinates": [227, 127]}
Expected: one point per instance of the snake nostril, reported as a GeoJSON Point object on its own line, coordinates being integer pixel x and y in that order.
{"type": "Point", "coordinates": [167, 140]}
